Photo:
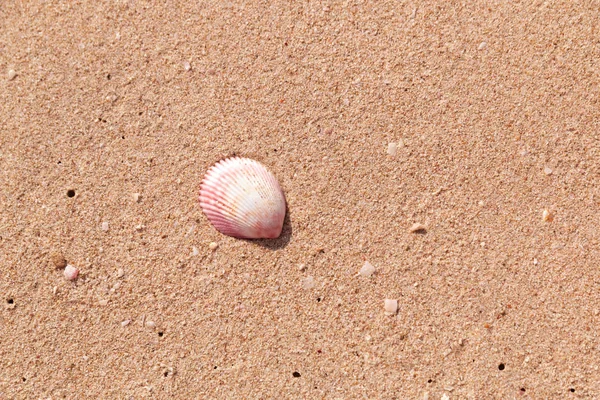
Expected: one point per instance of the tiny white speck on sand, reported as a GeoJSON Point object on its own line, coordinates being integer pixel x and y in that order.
{"type": "Point", "coordinates": [71, 273]}
{"type": "Point", "coordinates": [390, 306]}
{"type": "Point", "coordinates": [105, 226]}
{"type": "Point", "coordinates": [392, 149]}
{"type": "Point", "coordinates": [367, 269]}
{"type": "Point", "coordinates": [308, 283]}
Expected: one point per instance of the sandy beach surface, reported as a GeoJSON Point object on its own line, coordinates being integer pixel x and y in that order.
{"type": "Point", "coordinates": [479, 120]}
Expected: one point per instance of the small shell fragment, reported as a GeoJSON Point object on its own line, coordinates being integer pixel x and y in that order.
{"type": "Point", "coordinates": [125, 323]}
{"type": "Point", "coordinates": [151, 324]}
{"type": "Point", "coordinates": [12, 74]}
{"type": "Point", "coordinates": [136, 197]}
{"type": "Point", "coordinates": [367, 269]}
{"type": "Point", "coordinates": [548, 170]}
{"type": "Point", "coordinates": [213, 246]}
{"type": "Point", "coordinates": [417, 227]}
{"type": "Point", "coordinates": [392, 149]}
{"type": "Point", "coordinates": [547, 216]}
{"type": "Point", "coordinates": [390, 306]}
{"type": "Point", "coordinates": [71, 273]}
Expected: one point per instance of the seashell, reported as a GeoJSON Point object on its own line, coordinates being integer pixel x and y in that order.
{"type": "Point", "coordinates": [242, 198]}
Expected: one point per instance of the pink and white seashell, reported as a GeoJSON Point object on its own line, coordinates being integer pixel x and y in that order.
{"type": "Point", "coordinates": [242, 198]}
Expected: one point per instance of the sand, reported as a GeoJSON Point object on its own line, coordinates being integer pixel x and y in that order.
{"type": "Point", "coordinates": [111, 112]}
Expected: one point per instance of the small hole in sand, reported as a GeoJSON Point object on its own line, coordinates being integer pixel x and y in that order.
{"type": "Point", "coordinates": [10, 301]}
{"type": "Point", "coordinates": [501, 367]}
{"type": "Point", "coordinates": [296, 374]}
{"type": "Point", "coordinates": [160, 334]}
{"type": "Point", "coordinates": [70, 193]}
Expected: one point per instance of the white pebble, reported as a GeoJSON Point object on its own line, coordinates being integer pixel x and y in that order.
{"type": "Point", "coordinates": [71, 273]}
{"type": "Point", "coordinates": [482, 45]}
{"type": "Point", "coordinates": [137, 197]}
{"type": "Point", "coordinates": [213, 246]}
{"type": "Point", "coordinates": [195, 251]}
{"type": "Point", "coordinates": [308, 283]}
{"type": "Point", "coordinates": [150, 324]}
{"type": "Point", "coordinates": [12, 74]}
{"type": "Point", "coordinates": [392, 149]}
{"type": "Point", "coordinates": [445, 397]}
{"type": "Point", "coordinates": [390, 306]}
{"type": "Point", "coordinates": [120, 273]}
{"type": "Point", "coordinates": [301, 267]}
{"type": "Point", "coordinates": [105, 226]}
{"type": "Point", "coordinates": [367, 269]}
{"type": "Point", "coordinates": [126, 322]}
{"type": "Point", "coordinates": [548, 171]}
{"type": "Point", "coordinates": [547, 216]}
{"type": "Point", "coordinates": [187, 66]}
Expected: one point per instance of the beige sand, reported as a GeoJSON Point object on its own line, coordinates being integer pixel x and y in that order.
{"type": "Point", "coordinates": [482, 97]}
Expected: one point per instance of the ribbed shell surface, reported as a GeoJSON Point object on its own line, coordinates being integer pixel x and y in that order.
{"type": "Point", "coordinates": [242, 198]}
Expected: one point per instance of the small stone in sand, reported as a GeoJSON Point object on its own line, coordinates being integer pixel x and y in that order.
{"type": "Point", "coordinates": [105, 226]}
{"type": "Point", "coordinates": [213, 246]}
{"type": "Point", "coordinates": [137, 197]}
{"type": "Point", "coordinates": [308, 283]}
{"type": "Point", "coordinates": [151, 324]}
{"type": "Point", "coordinates": [367, 269]}
{"type": "Point", "coordinates": [392, 149]}
{"type": "Point", "coordinates": [482, 45]}
{"type": "Point", "coordinates": [548, 170]}
{"type": "Point", "coordinates": [417, 227]}
{"type": "Point", "coordinates": [187, 66]}
{"type": "Point", "coordinates": [390, 306]}
{"type": "Point", "coordinates": [195, 251]}
{"type": "Point", "coordinates": [71, 273]}
{"type": "Point", "coordinates": [58, 260]}
{"type": "Point", "coordinates": [445, 397]}
{"type": "Point", "coordinates": [126, 322]}
{"type": "Point", "coordinates": [12, 74]}
{"type": "Point", "coordinates": [301, 267]}
{"type": "Point", "coordinates": [120, 273]}
{"type": "Point", "coordinates": [547, 216]}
